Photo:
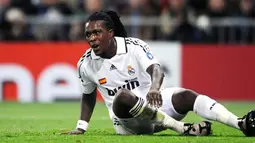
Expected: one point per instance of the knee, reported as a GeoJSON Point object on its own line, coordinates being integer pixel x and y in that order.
{"type": "Point", "coordinates": [186, 95]}
{"type": "Point", "coordinates": [184, 100]}
{"type": "Point", "coordinates": [122, 96]}
{"type": "Point", "coordinates": [124, 100]}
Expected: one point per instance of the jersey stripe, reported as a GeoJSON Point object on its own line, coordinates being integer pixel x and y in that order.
{"type": "Point", "coordinates": [88, 54]}
{"type": "Point", "coordinates": [126, 45]}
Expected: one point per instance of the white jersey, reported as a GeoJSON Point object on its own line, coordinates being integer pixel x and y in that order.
{"type": "Point", "coordinates": [127, 69]}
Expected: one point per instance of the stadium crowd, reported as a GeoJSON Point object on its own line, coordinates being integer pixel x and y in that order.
{"type": "Point", "coordinates": [188, 21]}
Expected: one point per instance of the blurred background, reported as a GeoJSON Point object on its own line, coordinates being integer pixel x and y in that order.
{"type": "Point", "coordinates": [204, 45]}
{"type": "Point", "coordinates": [186, 21]}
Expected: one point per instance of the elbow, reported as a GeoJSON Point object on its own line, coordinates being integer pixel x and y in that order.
{"type": "Point", "coordinates": [162, 73]}
{"type": "Point", "coordinates": [89, 97]}
{"type": "Point", "coordinates": [83, 98]}
{"type": "Point", "coordinates": [158, 69]}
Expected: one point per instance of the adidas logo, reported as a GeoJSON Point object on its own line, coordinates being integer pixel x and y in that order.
{"type": "Point", "coordinates": [112, 68]}
{"type": "Point", "coordinates": [212, 105]}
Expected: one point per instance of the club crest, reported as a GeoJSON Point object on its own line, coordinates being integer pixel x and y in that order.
{"type": "Point", "coordinates": [131, 70]}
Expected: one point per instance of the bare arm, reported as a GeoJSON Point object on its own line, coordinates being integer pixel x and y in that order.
{"type": "Point", "coordinates": [157, 75]}
{"type": "Point", "coordinates": [88, 103]}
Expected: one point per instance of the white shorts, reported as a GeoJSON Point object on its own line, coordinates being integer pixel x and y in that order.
{"type": "Point", "coordinates": [140, 126]}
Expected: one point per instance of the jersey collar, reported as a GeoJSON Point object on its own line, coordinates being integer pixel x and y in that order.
{"type": "Point", "coordinates": [121, 48]}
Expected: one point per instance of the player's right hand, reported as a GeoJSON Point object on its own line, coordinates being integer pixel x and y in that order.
{"type": "Point", "coordinates": [154, 98]}
{"type": "Point", "coordinates": [74, 132]}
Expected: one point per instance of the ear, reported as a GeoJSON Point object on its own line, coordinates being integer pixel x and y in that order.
{"type": "Point", "coordinates": [111, 33]}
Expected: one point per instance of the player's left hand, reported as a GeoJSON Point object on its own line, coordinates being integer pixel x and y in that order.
{"type": "Point", "coordinates": [74, 132]}
{"type": "Point", "coordinates": [154, 98]}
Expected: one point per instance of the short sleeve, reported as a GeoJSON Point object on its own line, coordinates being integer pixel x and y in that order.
{"type": "Point", "coordinates": [87, 85]}
{"type": "Point", "coordinates": [144, 55]}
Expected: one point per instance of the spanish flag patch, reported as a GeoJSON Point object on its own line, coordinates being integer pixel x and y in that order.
{"type": "Point", "coordinates": [102, 81]}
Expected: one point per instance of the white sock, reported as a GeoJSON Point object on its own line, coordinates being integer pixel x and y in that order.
{"type": "Point", "coordinates": [171, 123]}
{"type": "Point", "coordinates": [212, 110]}
{"type": "Point", "coordinates": [156, 116]}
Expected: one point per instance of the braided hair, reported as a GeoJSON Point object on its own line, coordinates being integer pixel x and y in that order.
{"type": "Point", "coordinates": [111, 21]}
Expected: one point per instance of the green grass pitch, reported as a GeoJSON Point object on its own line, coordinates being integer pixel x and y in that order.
{"type": "Point", "coordinates": [44, 122]}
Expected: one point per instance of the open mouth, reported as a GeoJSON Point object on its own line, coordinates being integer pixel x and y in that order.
{"type": "Point", "coordinates": [95, 47]}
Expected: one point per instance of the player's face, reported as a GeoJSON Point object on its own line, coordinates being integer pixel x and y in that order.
{"type": "Point", "coordinates": [98, 36]}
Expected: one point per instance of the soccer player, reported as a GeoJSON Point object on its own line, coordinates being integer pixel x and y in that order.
{"type": "Point", "coordinates": [129, 78]}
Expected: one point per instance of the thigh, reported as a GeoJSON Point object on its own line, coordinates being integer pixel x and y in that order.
{"type": "Point", "coordinates": [167, 106]}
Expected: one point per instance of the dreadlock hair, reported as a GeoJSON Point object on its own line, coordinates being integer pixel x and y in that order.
{"type": "Point", "coordinates": [111, 21]}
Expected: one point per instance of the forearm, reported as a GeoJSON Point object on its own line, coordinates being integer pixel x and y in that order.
{"type": "Point", "coordinates": [157, 76]}
{"type": "Point", "coordinates": [88, 102]}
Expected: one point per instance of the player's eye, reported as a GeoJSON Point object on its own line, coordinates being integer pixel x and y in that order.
{"type": "Point", "coordinates": [87, 34]}
{"type": "Point", "coordinates": [98, 32]}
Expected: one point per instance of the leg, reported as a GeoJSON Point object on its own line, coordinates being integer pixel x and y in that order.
{"type": "Point", "coordinates": [127, 105]}
{"type": "Point", "coordinates": [169, 107]}
{"type": "Point", "coordinates": [188, 100]}
{"type": "Point", "coordinates": [123, 103]}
